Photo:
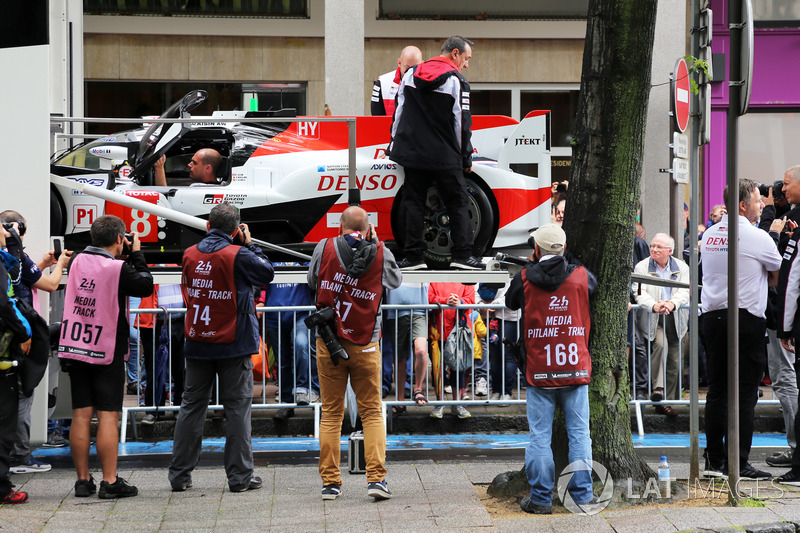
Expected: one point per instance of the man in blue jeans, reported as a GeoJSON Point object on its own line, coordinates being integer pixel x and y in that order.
{"type": "Point", "coordinates": [553, 295]}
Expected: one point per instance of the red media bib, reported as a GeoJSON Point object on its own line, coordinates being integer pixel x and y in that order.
{"type": "Point", "coordinates": [556, 332]}
{"type": "Point", "coordinates": [359, 298]}
{"type": "Point", "coordinates": [209, 290]}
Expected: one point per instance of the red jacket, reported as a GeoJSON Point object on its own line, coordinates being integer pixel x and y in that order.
{"type": "Point", "coordinates": [438, 293]}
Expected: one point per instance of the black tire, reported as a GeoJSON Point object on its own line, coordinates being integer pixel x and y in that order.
{"type": "Point", "coordinates": [57, 217]}
{"type": "Point", "coordinates": [436, 231]}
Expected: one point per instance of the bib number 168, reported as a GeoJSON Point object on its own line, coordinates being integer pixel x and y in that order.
{"type": "Point", "coordinates": [563, 352]}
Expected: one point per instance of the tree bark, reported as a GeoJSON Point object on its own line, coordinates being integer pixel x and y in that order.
{"type": "Point", "coordinates": [600, 218]}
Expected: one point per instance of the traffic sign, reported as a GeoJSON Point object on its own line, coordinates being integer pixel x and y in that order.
{"type": "Point", "coordinates": [680, 170]}
{"type": "Point", "coordinates": [680, 145]}
{"type": "Point", "coordinates": [680, 95]}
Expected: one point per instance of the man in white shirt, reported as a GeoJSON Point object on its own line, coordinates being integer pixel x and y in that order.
{"type": "Point", "coordinates": [759, 263]}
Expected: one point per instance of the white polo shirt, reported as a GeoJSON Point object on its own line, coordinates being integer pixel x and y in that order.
{"type": "Point", "coordinates": [758, 255]}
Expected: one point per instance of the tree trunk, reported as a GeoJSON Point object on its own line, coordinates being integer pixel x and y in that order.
{"type": "Point", "coordinates": [600, 216]}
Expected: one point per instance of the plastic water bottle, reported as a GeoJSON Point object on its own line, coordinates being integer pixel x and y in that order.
{"type": "Point", "coordinates": [663, 469]}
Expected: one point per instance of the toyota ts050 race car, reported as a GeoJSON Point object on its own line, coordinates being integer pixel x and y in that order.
{"type": "Point", "coordinates": [290, 180]}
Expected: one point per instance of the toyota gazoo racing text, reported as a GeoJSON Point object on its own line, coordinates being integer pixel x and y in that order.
{"type": "Point", "coordinates": [290, 180]}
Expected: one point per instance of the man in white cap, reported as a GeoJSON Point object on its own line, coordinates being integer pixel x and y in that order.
{"type": "Point", "coordinates": [554, 297]}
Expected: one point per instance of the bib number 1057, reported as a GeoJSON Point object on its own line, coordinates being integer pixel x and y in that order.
{"type": "Point", "coordinates": [563, 353]}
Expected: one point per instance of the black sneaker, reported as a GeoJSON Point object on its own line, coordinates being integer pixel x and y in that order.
{"type": "Point", "coordinates": [789, 478]}
{"type": "Point", "coordinates": [748, 471]}
{"type": "Point", "coordinates": [331, 492]}
{"type": "Point", "coordinates": [467, 263]}
{"type": "Point", "coordinates": [714, 468]}
{"type": "Point", "coordinates": [529, 507]}
{"type": "Point", "coordinates": [85, 487]}
{"type": "Point", "coordinates": [379, 490]}
{"type": "Point", "coordinates": [119, 489]}
{"type": "Point", "coordinates": [783, 458]}
{"type": "Point", "coordinates": [255, 483]}
{"type": "Point", "coordinates": [411, 264]}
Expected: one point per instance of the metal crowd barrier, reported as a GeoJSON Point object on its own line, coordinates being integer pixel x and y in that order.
{"type": "Point", "coordinates": [638, 313]}
{"type": "Point", "coordinates": [429, 388]}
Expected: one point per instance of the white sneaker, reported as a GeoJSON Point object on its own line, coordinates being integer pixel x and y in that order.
{"type": "Point", "coordinates": [448, 389]}
{"type": "Point", "coordinates": [481, 388]}
{"type": "Point", "coordinates": [302, 398]}
{"type": "Point", "coordinates": [314, 397]}
{"type": "Point", "coordinates": [460, 411]}
{"type": "Point", "coordinates": [438, 411]}
{"type": "Point", "coordinates": [506, 397]}
{"type": "Point", "coordinates": [495, 396]}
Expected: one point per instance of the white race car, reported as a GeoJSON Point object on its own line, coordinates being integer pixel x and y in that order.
{"type": "Point", "coordinates": [290, 180]}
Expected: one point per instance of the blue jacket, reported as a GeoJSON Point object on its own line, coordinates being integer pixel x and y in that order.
{"type": "Point", "coordinates": [251, 270]}
{"type": "Point", "coordinates": [283, 294]}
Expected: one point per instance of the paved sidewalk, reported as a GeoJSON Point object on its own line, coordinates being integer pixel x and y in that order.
{"type": "Point", "coordinates": [428, 496]}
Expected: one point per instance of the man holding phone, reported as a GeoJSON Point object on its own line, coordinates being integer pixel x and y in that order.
{"type": "Point", "coordinates": [31, 278]}
{"type": "Point", "coordinates": [221, 332]}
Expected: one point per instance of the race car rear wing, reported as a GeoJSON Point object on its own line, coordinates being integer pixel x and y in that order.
{"type": "Point", "coordinates": [528, 145]}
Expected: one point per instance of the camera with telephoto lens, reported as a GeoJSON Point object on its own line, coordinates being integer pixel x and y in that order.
{"type": "Point", "coordinates": [777, 189]}
{"type": "Point", "coordinates": [322, 319]}
{"type": "Point", "coordinates": [20, 227]}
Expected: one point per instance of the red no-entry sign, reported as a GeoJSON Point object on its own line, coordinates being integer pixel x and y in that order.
{"type": "Point", "coordinates": [680, 95]}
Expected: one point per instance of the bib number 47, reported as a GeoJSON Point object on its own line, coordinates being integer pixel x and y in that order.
{"type": "Point", "coordinates": [563, 353]}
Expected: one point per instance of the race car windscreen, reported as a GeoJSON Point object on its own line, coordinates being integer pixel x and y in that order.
{"type": "Point", "coordinates": [96, 155]}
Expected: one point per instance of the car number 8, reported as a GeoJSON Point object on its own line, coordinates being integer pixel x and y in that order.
{"type": "Point", "coordinates": [140, 223]}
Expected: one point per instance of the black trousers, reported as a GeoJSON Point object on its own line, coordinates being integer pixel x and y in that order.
{"type": "Point", "coordinates": [452, 189]}
{"type": "Point", "coordinates": [752, 357]}
{"type": "Point", "coordinates": [796, 453]}
{"type": "Point", "coordinates": [9, 398]}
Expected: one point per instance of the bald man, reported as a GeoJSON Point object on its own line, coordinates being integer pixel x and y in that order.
{"type": "Point", "coordinates": [385, 87]}
{"type": "Point", "coordinates": [202, 168]}
{"type": "Point", "coordinates": [350, 273]}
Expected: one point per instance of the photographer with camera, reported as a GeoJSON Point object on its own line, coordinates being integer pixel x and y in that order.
{"type": "Point", "coordinates": [776, 204]}
{"type": "Point", "coordinates": [15, 340]}
{"type": "Point", "coordinates": [349, 274]}
{"type": "Point", "coordinates": [221, 332]}
{"type": "Point", "coordinates": [94, 343]}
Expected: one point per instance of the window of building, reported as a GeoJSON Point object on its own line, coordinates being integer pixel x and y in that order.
{"type": "Point", "coordinates": [131, 99]}
{"type": "Point", "coordinates": [767, 144]}
{"type": "Point", "coordinates": [199, 8]}
{"type": "Point", "coordinates": [776, 13]}
{"type": "Point", "coordinates": [482, 10]}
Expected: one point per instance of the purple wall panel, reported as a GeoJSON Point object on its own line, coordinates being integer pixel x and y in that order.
{"type": "Point", "coordinates": [776, 84]}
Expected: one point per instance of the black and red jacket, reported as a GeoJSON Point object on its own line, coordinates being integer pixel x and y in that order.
{"type": "Point", "coordinates": [432, 120]}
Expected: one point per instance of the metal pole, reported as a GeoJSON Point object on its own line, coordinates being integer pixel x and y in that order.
{"type": "Point", "coordinates": [353, 193]}
{"type": "Point", "coordinates": [694, 220]}
{"type": "Point", "coordinates": [734, 17]}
